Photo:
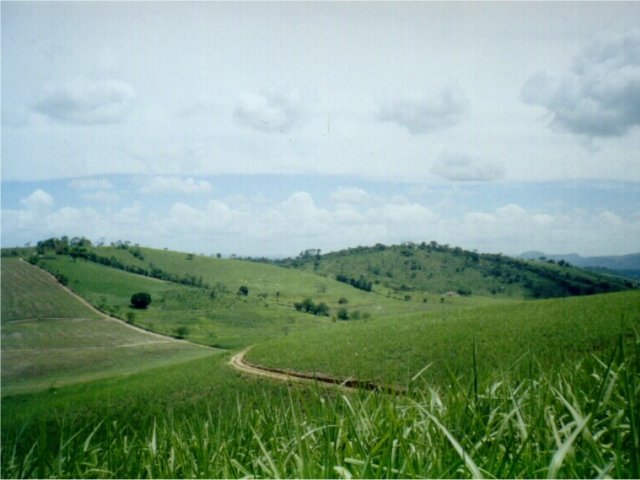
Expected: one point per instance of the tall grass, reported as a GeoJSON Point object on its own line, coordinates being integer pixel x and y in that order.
{"type": "Point", "coordinates": [578, 421]}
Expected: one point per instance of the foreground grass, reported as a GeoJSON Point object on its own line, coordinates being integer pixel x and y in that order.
{"type": "Point", "coordinates": [206, 421]}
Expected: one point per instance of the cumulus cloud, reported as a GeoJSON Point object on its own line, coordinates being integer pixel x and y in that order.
{"type": "Point", "coordinates": [600, 94]}
{"type": "Point", "coordinates": [424, 114]}
{"type": "Point", "coordinates": [298, 222]}
{"type": "Point", "coordinates": [162, 185]}
{"type": "Point", "coordinates": [350, 196]}
{"type": "Point", "coordinates": [268, 111]}
{"type": "Point", "coordinates": [91, 184]}
{"type": "Point", "coordinates": [87, 102]}
{"type": "Point", "coordinates": [462, 168]}
{"type": "Point", "coordinates": [38, 200]}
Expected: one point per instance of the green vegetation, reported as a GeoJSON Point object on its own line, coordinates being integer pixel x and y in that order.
{"type": "Point", "coordinates": [201, 419]}
{"type": "Point", "coordinates": [540, 335]}
{"type": "Point", "coordinates": [214, 314]}
{"type": "Point", "coordinates": [140, 300]}
{"type": "Point", "coordinates": [430, 267]}
{"type": "Point", "coordinates": [495, 386]}
{"type": "Point", "coordinates": [50, 339]}
{"type": "Point", "coordinates": [215, 317]}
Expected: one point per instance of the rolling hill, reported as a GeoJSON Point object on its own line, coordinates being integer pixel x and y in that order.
{"type": "Point", "coordinates": [439, 268]}
{"type": "Point", "coordinates": [489, 376]}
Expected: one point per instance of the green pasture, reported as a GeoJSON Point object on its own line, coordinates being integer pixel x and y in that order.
{"type": "Point", "coordinates": [218, 316]}
{"type": "Point", "coordinates": [541, 334]}
{"type": "Point", "coordinates": [49, 338]}
{"type": "Point", "coordinates": [284, 286]}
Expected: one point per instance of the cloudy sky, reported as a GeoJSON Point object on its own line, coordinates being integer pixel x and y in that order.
{"type": "Point", "coordinates": [269, 128]}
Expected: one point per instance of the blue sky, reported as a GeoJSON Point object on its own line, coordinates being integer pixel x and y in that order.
{"type": "Point", "coordinates": [266, 129]}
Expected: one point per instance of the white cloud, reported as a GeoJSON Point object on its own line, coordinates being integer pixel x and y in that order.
{"type": "Point", "coordinates": [258, 226]}
{"type": "Point", "coordinates": [38, 200]}
{"type": "Point", "coordinates": [462, 168]}
{"type": "Point", "coordinates": [163, 185]}
{"type": "Point", "coordinates": [86, 102]}
{"type": "Point", "coordinates": [268, 111]}
{"type": "Point", "coordinates": [424, 114]}
{"type": "Point", "coordinates": [350, 196]}
{"type": "Point", "coordinates": [599, 96]}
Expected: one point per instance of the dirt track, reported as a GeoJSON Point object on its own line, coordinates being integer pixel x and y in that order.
{"type": "Point", "coordinates": [239, 363]}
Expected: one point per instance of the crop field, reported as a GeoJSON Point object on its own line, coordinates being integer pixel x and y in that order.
{"type": "Point", "coordinates": [200, 418]}
{"type": "Point", "coordinates": [49, 338]}
{"type": "Point", "coordinates": [541, 334]}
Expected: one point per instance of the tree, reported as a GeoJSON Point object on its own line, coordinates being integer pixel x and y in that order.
{"type": "Point", "coordinates": [243, 290]}
{"type": "Point", "coordinates": [343, 314]}
{"type": "Point", "coordinates": [140, 300]}
{"type": "Point", "coordinates": [322, 309]}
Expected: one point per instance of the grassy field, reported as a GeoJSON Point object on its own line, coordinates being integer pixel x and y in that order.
{"type": "Point", "coordinates": [50, 339]}
{"type": "Point", "coordinates": [497, 388]}
{"type": "Point", "coordinates": [543, 334]}
{"type": "Point", "coordinates": [200, 419]}
{"type": "Point", "coordinates": [220, 317]}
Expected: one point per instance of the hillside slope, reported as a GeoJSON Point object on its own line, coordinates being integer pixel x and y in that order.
{"type": "Point", "coordinates": [204, 299]}
{"type": "Point", "coordinates": [528, 335]}
{"type": "Point", "coordinates": [439, 268]}
{"type": "Point", "coordinates": [50, 338]}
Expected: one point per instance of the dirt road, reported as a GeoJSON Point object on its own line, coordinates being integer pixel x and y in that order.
{"type": "Point", "coordinates": [239, 363]}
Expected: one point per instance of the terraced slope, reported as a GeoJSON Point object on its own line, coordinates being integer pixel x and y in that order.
{"type": "Point", "coordinates": [51, 338]}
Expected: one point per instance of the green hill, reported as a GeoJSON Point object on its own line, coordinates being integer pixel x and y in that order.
{"type": "Point", "coordinates": [500, 387]}
{"type": "Point", "coordinates": [50, 338]}
{"type": "Point", "coordinates": [211, 308]}
{"type": "Point", "coordinates": [439, 269]}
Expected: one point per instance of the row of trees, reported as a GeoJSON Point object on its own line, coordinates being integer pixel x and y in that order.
{"type": "Point", "coordinates": [309, 306]}
{"type": "Point", "coordinates": [361, 283]}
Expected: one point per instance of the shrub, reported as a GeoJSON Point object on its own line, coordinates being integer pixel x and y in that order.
{"type": "Point", "coordinates": [343, 314]}
{"type": "Point", "coordinates": [181, 332]}
{"type": "Point", "coordinates": [343, 300]}
{"type": "Point", "coordinates": [140, 300]}
{"type": "Point", "coordinates": [308, 306]}
{"type": "Point", "coordinates": [243, 290]}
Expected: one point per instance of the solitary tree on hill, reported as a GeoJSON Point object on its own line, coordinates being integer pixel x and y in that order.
{"type": "Point", "coordinates": [140, 300]}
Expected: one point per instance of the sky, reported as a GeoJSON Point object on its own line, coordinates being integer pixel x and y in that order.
{"type": "Point", "coordinates": [264, 129]}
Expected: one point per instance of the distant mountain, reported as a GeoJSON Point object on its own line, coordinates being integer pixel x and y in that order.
{"type": "Point", "coordinates": [623, 265]}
